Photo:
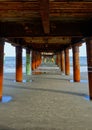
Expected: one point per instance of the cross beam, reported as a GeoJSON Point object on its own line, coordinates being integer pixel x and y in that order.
{"type": "Point", "coordinates": [44, 11]}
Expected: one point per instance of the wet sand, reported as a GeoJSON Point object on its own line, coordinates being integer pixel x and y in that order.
{"type": "Point", "coordinates": [49, 102]}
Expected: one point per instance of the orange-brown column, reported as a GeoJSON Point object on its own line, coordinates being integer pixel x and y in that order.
{"type": "Point", "coordinates": [33, 60]}
{"type": "Point", "coordinates": [32, 66]}
{"type": "Point", "coordinates": [62, 61]}
{"type": "Point", "coordinates": [59, 60]}
{"type": "Point", "coordinates": [1, 67]}
{"type": "Point", "coordinates": [38, 60]}
{"type": "Point", "coordinates": [18, 64]}
{"type": "Point", "coordinates": [76, 64]}
{"type": "Point", "coordinates": [67, 62]}
{"type": "Point", "coordinates": [89, 61]}
{"type": "Point", "coordinates": [36, 57]}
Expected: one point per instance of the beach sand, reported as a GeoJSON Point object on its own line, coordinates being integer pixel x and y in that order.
{"type": "Point", "coordinates": [49, 102]}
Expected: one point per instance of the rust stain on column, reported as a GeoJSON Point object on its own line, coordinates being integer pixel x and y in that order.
{"type": "Point", "coordinates": [33, 60]}
{"type": "Point", "coordinates": [62, 61]}
{"type": "Point", "coordinates": [18, 63]}
{"type": "Point", "coordinates": [67, 62]}
{"type": "Point", "coordinates": [76, 64]}
{"type": "Point", "coordinates": [1, 68]}
{"type": "Point", "coordinates": [89, 61]}
{"type": "Point", "coordinates": [38, 59]}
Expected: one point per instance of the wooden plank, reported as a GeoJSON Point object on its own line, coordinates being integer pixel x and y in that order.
{"type": "Point", "coordinates": [25, 11]}
{"type": "Point", "coordinates": [87, 6]}
{"type": "Point", "coordinates": [1, 67]}
{"type": "Point", "coordinates": [12, 29]}
{"type": "Point", "coordinates": [19, 6]}
{"type": "Point", "coordinates": [44, 11]}
{"type": "Point", "coordinates": [71, 10]}
{"type": "Point", "coordinates": [89, 61]}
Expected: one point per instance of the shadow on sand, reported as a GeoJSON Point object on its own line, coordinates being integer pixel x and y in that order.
{"type": "Point", "coordinates": [46, 90]}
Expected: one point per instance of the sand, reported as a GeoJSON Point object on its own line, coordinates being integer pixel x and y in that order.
{"type": "Point", "coordinates": [49, 102]}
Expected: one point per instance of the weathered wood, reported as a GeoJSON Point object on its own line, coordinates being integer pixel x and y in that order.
{"type": "Point", "coordinates": [44, 11]}
{"type": "Point", "coordinates": [56, 8]}
{"type": "Point", "coordinates": [62, 61]}
{"type": "Point", "coordinates": [89, 61]}
{"type": "Point", "coordinates": [76, 64]}
{"type": "Point", "coordinates": [18, 64]}
{"type": "Point", "coordinates": [1, 67]}
{"type": "Point", "coordinates": [28, 62]}
{"type": "Point", "coordinates": [67, 62]}
{"type": "Point", "coordinates": [13, 29]}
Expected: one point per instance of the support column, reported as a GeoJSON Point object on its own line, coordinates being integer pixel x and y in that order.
{"type": "Point", "coordinates": [36, 58]}
{"type": "Point", "coordinates": [28, 62]}
{"type": "Point", "coordinates": [57, 59]}
{"type": "Point", "coordinates": [89, 61]}
{"type": "Point", "coordinates": [62, 61]}
{"type": "Point", "coordinates": [1, 67]}
{"type": "Point", "coordinates": [33, 60]}
{"type": "Point", "coordinates": [39, 60]}
{"type": "Point", "coordinates": [76, 64]}
{"type": "Point", "coordinates": [67, 62]}
{"type": "Point", "coordinates": [18, 64]}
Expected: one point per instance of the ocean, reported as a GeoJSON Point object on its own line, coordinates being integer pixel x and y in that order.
{"type": "Point", "coordinates": [9, 64]}
{"type": "Point", "coordinates": [83, 64]}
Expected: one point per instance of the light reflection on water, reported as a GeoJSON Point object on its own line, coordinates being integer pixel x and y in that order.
{"type": "Point", "coordinates": [9, 65]}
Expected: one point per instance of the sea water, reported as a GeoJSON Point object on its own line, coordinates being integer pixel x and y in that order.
{"type": "Point", "coordinates": [83, 64]}
{"type": "Point", "coordinates": [10, 63]}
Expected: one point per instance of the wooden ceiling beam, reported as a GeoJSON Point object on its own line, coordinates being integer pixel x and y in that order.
{"type": "Point", "coordinates": [44, 11]}
{"type": "Point", "coordinates": [12, 29]}
{"type": "Point", "coordinates": [29, 10]}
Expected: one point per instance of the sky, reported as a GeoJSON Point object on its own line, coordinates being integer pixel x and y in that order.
{"type": "Point", "coordinates": [9, 50]}
{"type": "Point", "coordinates": [82, 50]}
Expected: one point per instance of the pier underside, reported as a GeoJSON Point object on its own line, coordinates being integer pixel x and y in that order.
{"type": "Point", "coordinates": [42, 26]}
{"type": "Point", "coordinates": [44, 98]}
